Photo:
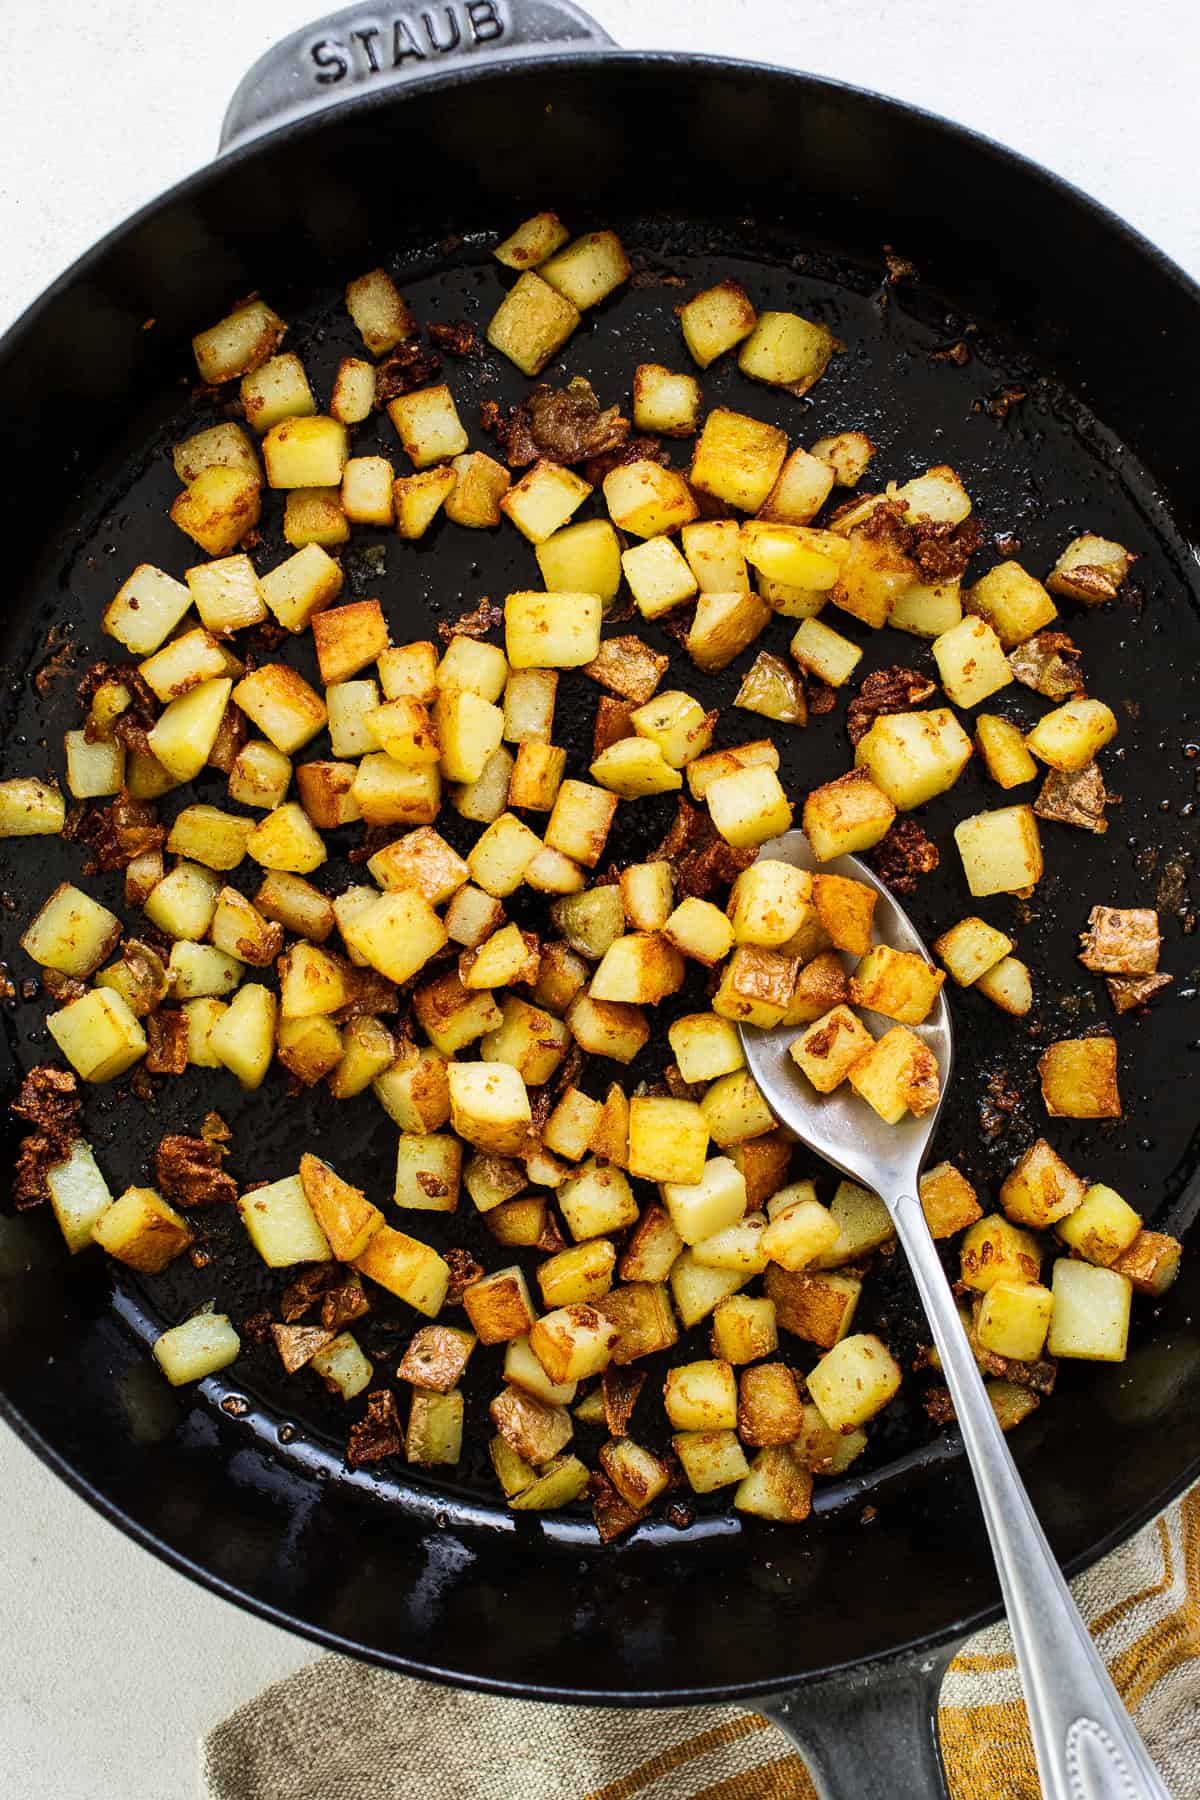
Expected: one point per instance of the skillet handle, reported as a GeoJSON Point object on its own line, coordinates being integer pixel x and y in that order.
{"type": "Point", "coordinates": [856, 1724]}
{"type": "Point", "coordinates": [366, 48]}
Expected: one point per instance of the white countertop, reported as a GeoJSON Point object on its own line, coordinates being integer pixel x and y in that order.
{"type": "Point", "coordinates": [104, 107]}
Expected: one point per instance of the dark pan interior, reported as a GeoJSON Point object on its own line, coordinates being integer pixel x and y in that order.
{"type": "Point", "coordinates": [794, 187]}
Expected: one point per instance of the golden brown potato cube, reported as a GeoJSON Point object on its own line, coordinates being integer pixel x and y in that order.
{"type": "Point", "coordinates": [347, 638]}
{"type": "Point", "coordinates": [1008, 985]}
{"type": "Point", "coordinates": [573, 1342]}
{"type": "Point", "coordinates": [801, 489]}
{"type": "Point", "coordinates": [769, 902]}
{"type": "Point", "coordinates": [544, 499]}
{"type": "Point", "coordinates": [1090, 570]}
{"type": "Point", "coordinates": [994, 1249]}
{"type": "Point", "coordinates": [723, 625]}
{"type": "Point", "coordinates": [344, 1213]}
{"type": "Point", "coordinates": [846, 815]}
{"type": "Point", "coordinates": [971, 662]}
{"type": "Point", "coordinates": [853, 1381]}
{"type": "Point", "coordinates": [380, 313]}
{"type": "Point", "coordinates": [310, 1049]}
{"type": "Point", "coordinates": [283, 706]}
{"type": "Point", "coordinates": [642, 1314]}
{"type": "Point", "coordinates": [847, 454]}
{"type": "Point", "coordinates": [1013, 602]}
{"type": "Point", "coordinates": [228, 445]}
{"type": "Point", "coordinates": [99, 1034]}
{"type": "Point", "coordinates": [787, 351]}
{"type": "Point", "coordinates": [142, 1231]}
{"type": "Point", "coordinates": [845, 908]}
{"type": "Point", "coordinates": [769, 1409]}
{"type": "Point", "coordinates": [1001, 851]}
{"type": "Point", "coordinates": [777, 1487]}
{"type": "Point", "coordinates": [580, 821]}
{"type": "Point", "coordinates": [353, 396]}
{"type": "Point", "coordinates": [480, 490]}
{"type": "Point", "coordinates": [668, 1140]}
{"type": "Point", "coordinates": [915, 756]}
{"type": "Point", "coordinates": [749, 807]}
{"type": "Point", "coordinates": [829, 1049]}
{"type": "Point", "coordinates": [701, 1396]}
{"type": "Point", "coordinates": [1002, 747]}
{"type": "Point", "coordinates": [696, 1288]}
{"type": "Point", "coordinates": [898, 1074]}
{"type": "Point", "coordinates": [433, 1437]}
{"type": "Point", "coordinates": [286, 840]}
{"type": "Point", "coordinates": [743, 1329]}
{"type": "Point", "coordinates": [1013, 1319]}
{"type": "Point", "coordinates": [562, 974]}
{"type": "Point", "coordinates": [238, 343]}
{"type": "Point", "coordinates": [326, 793]}
{"type": "Point", "coordinates": [529, 1426]}
{"type": "Point", "coordinates": [700, 930]}
{"type": "Point", "coordinates": [1101, 1227]}
{"type": "Point", "coordinates": [736, 1110]}
{"type": "Point", "coordinates": [639, 969]}
{"type": "Point", "coordinates": [872, 579]}
{"type": "Point", "coordinates": [708, 1201]}
{"type": "Point", "coordinates": [218, 508]}
{"type": "Point", "coordinates": [428, 1168]}
{"type": "Point", "coordinates": [1151, 1262]}
{"type": "Point", "coordinates": [815, 1306]}
{"type": "Point", "coordinates": [1091, 1312]}
{"type": "Point", "coordinates": [948, 1200]}
{"type": "Point", "coordinates": [428, 426]}
{"type": "Point", "coordinates": [774, 690]}
{"type": "Point", "coordinates": [499, 1306]}
{"type": "Point", "coordinates": [970, 948]}
{"type": "Point", "coordinates": [1068, 738]}
{"type": "Point", "coordinates": [652, 1247]}
{"type": "Point", "coordinates": [610, 1139]}
{"type": "Point", "coordinates": [647, 500]}
{"type": "Point", "coordinates": [756, 986]}
{"type": "Point", "coordinates": [647, 894]}
{"type": "Point", "coordinates": [665, 404]}
{"type": "Point", "coordinates": [802, 1234]}
{"type": "Point", "coordinates": [582, 1274]}
{"type": "Point", "coordinates": [417, 499]}
{"type": "Point", "coordinates": [927, 609]}
{"type": "Point", "coordinates": [737, 458]}
{"type": "Point", "coordinates": [368, 1050]}
{"type": "Point", "coordinates": [305, 453]}
{"type": "Point", "coordinates": [715, 320]}
{"type": "Point", "coordinates": [423, 860]}
{"type": "Point", "coordinates": [763, 1164]}
{"type": "Point", "coordinates": [532, 242]}
{"type": "Point", "coordinates": [489, 1106]}
{"type": "Point", "coordinates": [531, 323]}
{"type": "Point", "coordinates": [711, 1459]}
{"type": "Point", "coordinates": [634, 768]}
{"type": "Point", "coordinates": [277, 389]}
{"type": "Point", "coordinates": [896, 983]}
{"type": "Point", "coordinates": [71, 932]}
{"type": "Point", "coordinates": [453, 1016]}
{"type": "Point", "coordinates": [638, 1476]}
{"type": "Point", "coordinates": [1079, 1078]}
{"type": "Point", "coordinates": [519, 1224]}
{"type": "Point", "coordinates": [301, 586]}
{"type": "Point", "coordinates": [528, 1040]}
{"type": "Point", "coordinates": [824, 652]}
{"type": "Point", "coordinates": [588, 269]}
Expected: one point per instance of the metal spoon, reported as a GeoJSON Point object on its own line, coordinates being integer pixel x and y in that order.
{"type": "Point", "coordinates": [1086, 1744]}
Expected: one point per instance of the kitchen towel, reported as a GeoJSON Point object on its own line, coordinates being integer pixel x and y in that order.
{"type": "Point", "coordinates": [340, 1730]}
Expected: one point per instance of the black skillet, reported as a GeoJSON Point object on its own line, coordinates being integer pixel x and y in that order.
{"type": "Point", "coordinates": [841, 1629]}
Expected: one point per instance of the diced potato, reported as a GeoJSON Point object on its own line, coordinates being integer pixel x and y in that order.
{"type": "Point", "coordinates": [756, 986]}
{"type": "Point", "coordinates": [353, 396]}
{"type": "Point", "coordinates": [1101, 1228]}
{"type": "Point", "coordinates": [409, 671]}
{"type": "Point", "coordinates": [667, 1143]}
{"type": "Point", "coordinates": [583, 558]}
{"type": "Point", "coordinates": [146, 609]}
{"type": "Point", "coordinates": [347, 638]}
{"type": "Point", "coordinates": [847, 454]}
{"type": "Point", "coordinates": [243, 1038]}
{"type": "Point", "coordinates": [700, 930]}
{"type": "Point", "coordinates": [282, 1225]}
{"type": "Point", "coordinates": [715, 320]}
{"type": "Point", "coordinates": [658, 576]}
{"type": "Point", "coordinates": [142, 876]}
{"type": "Point", "coordinates": [1091, 570]}
{"type": "Point", "coordinates": [428, 425]}
{"type": "Point", "coordinates": [588, 269]}
{"type": "Point", "coordinates": [417, 499]}
{"type": "Point", "coordinates": [98, 1034]}
{"type": "Point", "coordinates": [30, 807]}
{"type": "Point", "coordinates": [777, 1487]}
{"type": "Point", "coordinates": [845, 909]}
{"type": "Point", "coordinates": [1068, 738]}
{"type": "Point", "coordinates": [801, 489]}
{"type": "Point", "coordinates": [647, 893]}
{"type": "Point", "coordinates": [481, 485]}
{"type": "Point", "coordinates": [342, 1366]}
{"type": "Point", "coordinates": [368, 1049]}
{"type": "Point", "coordinates": [971, 662]}
{"type": "Point", "coordinates": [499, 1307]}
{"type": "Point", "coordinates": [428, 1169]}
{"type": "Point", "coordinates": [408, 1268]}
{"type": "Point", "coordinates": [1091, 1312]}
{"type": "Point", "coordinates": [183, 902]}
{"type": "Point", "coordinates": [828, 1050]}
{"type": "Point", "coordinates": [1002, 747]}
{"type": "Point", "coordinates": [738, 1247]}
{"type": "Point", "coordinates": [528, 1040]}
{"type": "Point", "coordinates": [706, 769]}
{"type": "Point", "coordinates": [948, 1200]}
{"type": "Point", "coordinates": [701, 1396]}
{"type": "Point", "coordinates": [708, 1203]}
{"type": "Point", "coordinates": [523, 1370]}
{"type": "Point", "coordinates": [914, 756]}
{"type": "Point", "coordinates": [664, 403]}
{"type": "Point", "coordinates": [639, 969]}
{"type": "Point", "coordinates": [310, 982]}
{"type": "Point", "coordinates": [71, 932]}
{"type": "Point", "coordinates": [532, 242]}
{"type": "Point", "coordinates": [285, 839]}
{"type": "Point", "coordinates": [872, 579]}
{"type": "Point", "coordinates": [723, 625]}
{"type": "Point", "coordinates": [79, 1195]}
{"type": "Point", "coordinates": [711, 1459]}
{"type": "Point", "coordinates": [468, 729]}
{"type": "Point", "coordinates": [770, 1411]}
{"type": "Point", "coordinates": [846, 815]}
{"type": "Point", "coordinates": [1001, 850]}
{"type": "Point", "coordinates": [281, 703]}
{"type": "Point", "coordinates": [738, 459]}
{"type": "Point", "coordinates": [634, 767]}
{"type": "Point", "coordinates": [994, 1250]}
{"type": "Point", "coordinates": [218, 508]}
{"type": "Point", "coordinates": [825, 653]}
{"type": "Point", "coordinates": [436, 1357]}
{"type": "Point", "coordinates": [209, 836]}
{"type": "Point", "coordinates": [573, 1342]}
{"type": "Point", "coordinates": [1008, 985]}
{"type": "Point", "coordinates": [1013, 1320]}
{"type": "Point", "coordinates": [1013, 602]}
{"type": "Point", "coordinates": [202, 1016]}
{"type": "Point", "coordinates": [896, 983]}
{"type": "Point", "coordinates": [544, 499]}
{"type": "Point", "coordinates": [853, 1381]}
{"type": "Point", "coordinates": [305, 453]}
{"type": "Point", "coordinates": [499, 859]}
{"type": "Point", "coordinates": [558, 1484]}
{"type": "Point", "coordinates": [1079, 1078]}
{"type": "Point", "coordinates": [277, 389]}
{"type": "Point", "coordinates": [375, 304]}
{"type": "Point", "coordinates": [606, 1028]}
{"type": "Point", "coordinates": [1151, 1262]}
{"type": "Point", "coordinates": [817, 1307]}
{"type": "Point", "coordinates": [201, 970]}
{"type": "Point", "coordinates": [531, 323]}
{"type": "Point", "coordinates": [201, 1346]}
{"type": "Point", "coordinates": [787, 351]}
{"type": "Point", "coordinates": [226, 445]}
{"type": "Point", "coordinates": [396, 933]}
{"type": "Point", "coordinates": [579, 1275]}
{"type": "Point", "coordinates": [489, 1106]}
{"type": "Point", "coordinates": [749, 807]}
{"type": "Point", "coordinates": [435, 1427]}
{"type": "Point", "coordinates": [736, 1110]}
{"type": "Point", "coordinates": [93, 769]}
{"type": "Point", "coordinates": [898, 1074]}
{"type": "Point", "coordinates": [183, 736]}
{"type": "Point", "coordinates": [705, 1047]}
{"type": "Point", "coordinates": [414, 1090]}
{"type": "Point", "coordinates": [927, 609]}
{"type": "Point", "coordinates": [796, 555]}
{"type": "Point", "coordinates": [346, 1217]}
{"type": "Point", "coordinates": [591, 922]}
{"type": "Point", "coordinates": [388, 792]}
{"type": "Point", "coordinates": [970, 948]}
{"type": "Point", "coordinates": [310, 1049]}
{"type": "Point", "coordinates": [802, 1233]}
{"type": "Point", "coordinates": [552, 631]}
{"type": "Point", "coordinates": [580, 821]}
{"type": "Point", "coordinates": [596, 1199]}
{"type": "Point", "coordinates": [743, 1329]}
{"type": "Point", "coordinates": [185, 662]}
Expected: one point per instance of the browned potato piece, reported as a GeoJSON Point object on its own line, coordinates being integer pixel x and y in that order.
{"type": "Point", "coordinates": [1079, 1078]}
{"type": "Point", "coordinates": [846, 909]}
{"type": "Point", "coordinates": [1041, 1188]}
{"type": "Point", "coordinates": [948, 1200]}
{"type": "Point", "coordinates": [816, 1307]}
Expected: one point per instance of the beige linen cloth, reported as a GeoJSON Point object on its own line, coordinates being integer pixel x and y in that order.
{"type": "Point", "coordinates": [339, 1730]}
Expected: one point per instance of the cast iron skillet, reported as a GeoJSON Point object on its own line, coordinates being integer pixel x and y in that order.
{"type": "Point", "coordinates": [841, 1629]}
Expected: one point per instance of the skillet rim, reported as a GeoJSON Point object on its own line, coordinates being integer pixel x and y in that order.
{"type": "Point", "coordinates": [1024, 168]}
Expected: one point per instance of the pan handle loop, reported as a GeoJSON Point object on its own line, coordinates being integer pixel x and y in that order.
{"type": "Point", "coordinates": [366, 49]}
{"type": "Point", "coordinates": [878, 1719]}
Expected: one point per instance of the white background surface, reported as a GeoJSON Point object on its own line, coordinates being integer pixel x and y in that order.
{"type": "Point", "coordinates": [111, 1666]}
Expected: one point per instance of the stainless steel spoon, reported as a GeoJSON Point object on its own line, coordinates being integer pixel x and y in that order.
{"type": "Point", "coordinates": [1086, 1744]}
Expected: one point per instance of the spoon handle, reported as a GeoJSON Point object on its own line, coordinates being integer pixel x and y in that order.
{"type": "Point", "coordinates": [1087, 1746]}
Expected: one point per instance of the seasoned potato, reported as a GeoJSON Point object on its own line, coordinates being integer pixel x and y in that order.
{"type": "Point", "coordinates": [895, 983]}
{"type": "Point", "coordinates": [846, 815]}
{"type": "Point", "coordinates": [853, 1381]}
{"type": "Point", "coordinates": [1079, 1078]}
{"type": "Point", "coordinates": [1001, 851]}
